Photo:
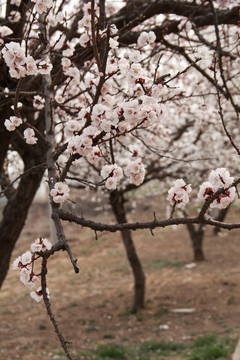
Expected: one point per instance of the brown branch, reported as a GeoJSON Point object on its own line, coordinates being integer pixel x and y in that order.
{"type": "Point", "coordinates": [16, 111]}
{"type": "Point", "coordinates": [68, 164]}
{"type": "Point", "coordinates": [200, 15]}
{"type": "Point", "coordinates": [66, 216]}
{"type": "Point", "coordinates": [94, 41]}
{"type": "Point", "coordinates": [50, 138]}
{"type": "Point", "coordinates": [173, 210]}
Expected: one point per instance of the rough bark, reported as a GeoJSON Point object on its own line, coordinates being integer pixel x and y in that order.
{"type": "Point", "coordinates": [117, 203]}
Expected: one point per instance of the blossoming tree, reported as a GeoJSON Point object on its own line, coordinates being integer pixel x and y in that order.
{"type": "Point", "coordinates": [130, 92]}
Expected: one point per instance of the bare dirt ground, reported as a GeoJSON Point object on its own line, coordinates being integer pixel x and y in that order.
{"type": "Point", "coordinates": [93, 307]}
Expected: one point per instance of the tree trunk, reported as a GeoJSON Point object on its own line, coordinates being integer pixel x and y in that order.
{"type": "Point", "coordinates": [15, 214]}
{"type": "Point", "coordinates": [117, 203]}
{"type": "Point", "coordinates": [196, 236]}
{"type": "Point", "coordinates": [197, 247]}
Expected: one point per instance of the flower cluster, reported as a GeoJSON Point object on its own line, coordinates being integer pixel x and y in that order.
{"type": "Point", "coordinates": [19, 64]}
{"type": "Point", "coordinates": [60, 192]}
{"type": "Point", "coordinates": [12, 123]}
{"type": "Point", "coordinates": [82, 144]}
{"type": "Point", "coordinates": [25, 263]}
{"type": "Point", "coordinates": [178, 195]}
{"type": "Point", "coordinates": [219, 178]}
{"type": "Point", "coordinates": [29, 136]}
{"type": "Point", "coordinates": [136, 171]}
{"type": "Point", "coordinates": [112, 174]}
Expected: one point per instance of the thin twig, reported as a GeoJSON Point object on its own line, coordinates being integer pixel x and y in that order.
{"type": "Point", "coordinates": [222, 117]}
{"type": "Point", "coordinates": [49, 310]}
{"type": "Point", "coordinates": [173, 209]}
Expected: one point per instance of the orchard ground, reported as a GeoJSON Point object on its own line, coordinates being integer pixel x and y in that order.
{"type": "Point", "coordinates": [93, 307]}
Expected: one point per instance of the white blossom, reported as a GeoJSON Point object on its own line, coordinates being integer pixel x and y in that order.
{"type": "Point", "coordinates": [112, 174]}
{"type": "Point", "coordinates": [178, 195]}
{"type": "Point", "coordinates": [60, 192]}
{"type": "Point", "coordinates": [224, 199]}
{"type": "Point", "coordinates": [66, 63]}
{"type": "Point", "coordinates": [145, 38]}
{"type": "Point", "coordinates": [15, 2]}
{"type": "Point", "coordinates": [36, 247]}
{"type": "Point", "coordinates": [59, 99]}
{"type": "Point", "coordinates": [113, 43]}
{"type": "Point", "coordinates": [29, 136]}
{"type": "Point", "coordinates": [135, 171]}
{"type": "Point", "coordinates": [14, 16]}
{"type": "Point", "coordinates": [12, 123]}
{"type": "Point", "coordinates": [46, 244]}
{"type": "Point", "coordinates": [60, 17]}
{"type": "Point", "coordinates": [111, 183]}
{"type": "Point", "coordinates": [44, 67]}
{"type": "Point", "coordinates": [17, 263]}
{"type": "Point", "coordinates": [25, 275]}
{"type": "Point", "coordinates": [33, 283]}
{"type": "Point", "coordinates": [41, 244]}
{"type": "Point", "coordinates": [84, 39]}
{"type": "Point", "coordinates": [206, 190]}
{"type": "Point", "coordinates": [220, 178]}
{"type": "Point", "coordinates": [142, 39]}
{"type": "Point", "coordinates": [38, 102]}
{"type": "Point", "coordinates": [74, 74]}
{"type": "Point", "coordinates": [37, 294]}
{"type": "Point", "coordinates": [68, 52]}
{"type": "Point", "coordinates": [5, 31]}
{"type": "Point", "coordinates": [71, 127]}
{"type": "Point", "coordinates": [26, 258]}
